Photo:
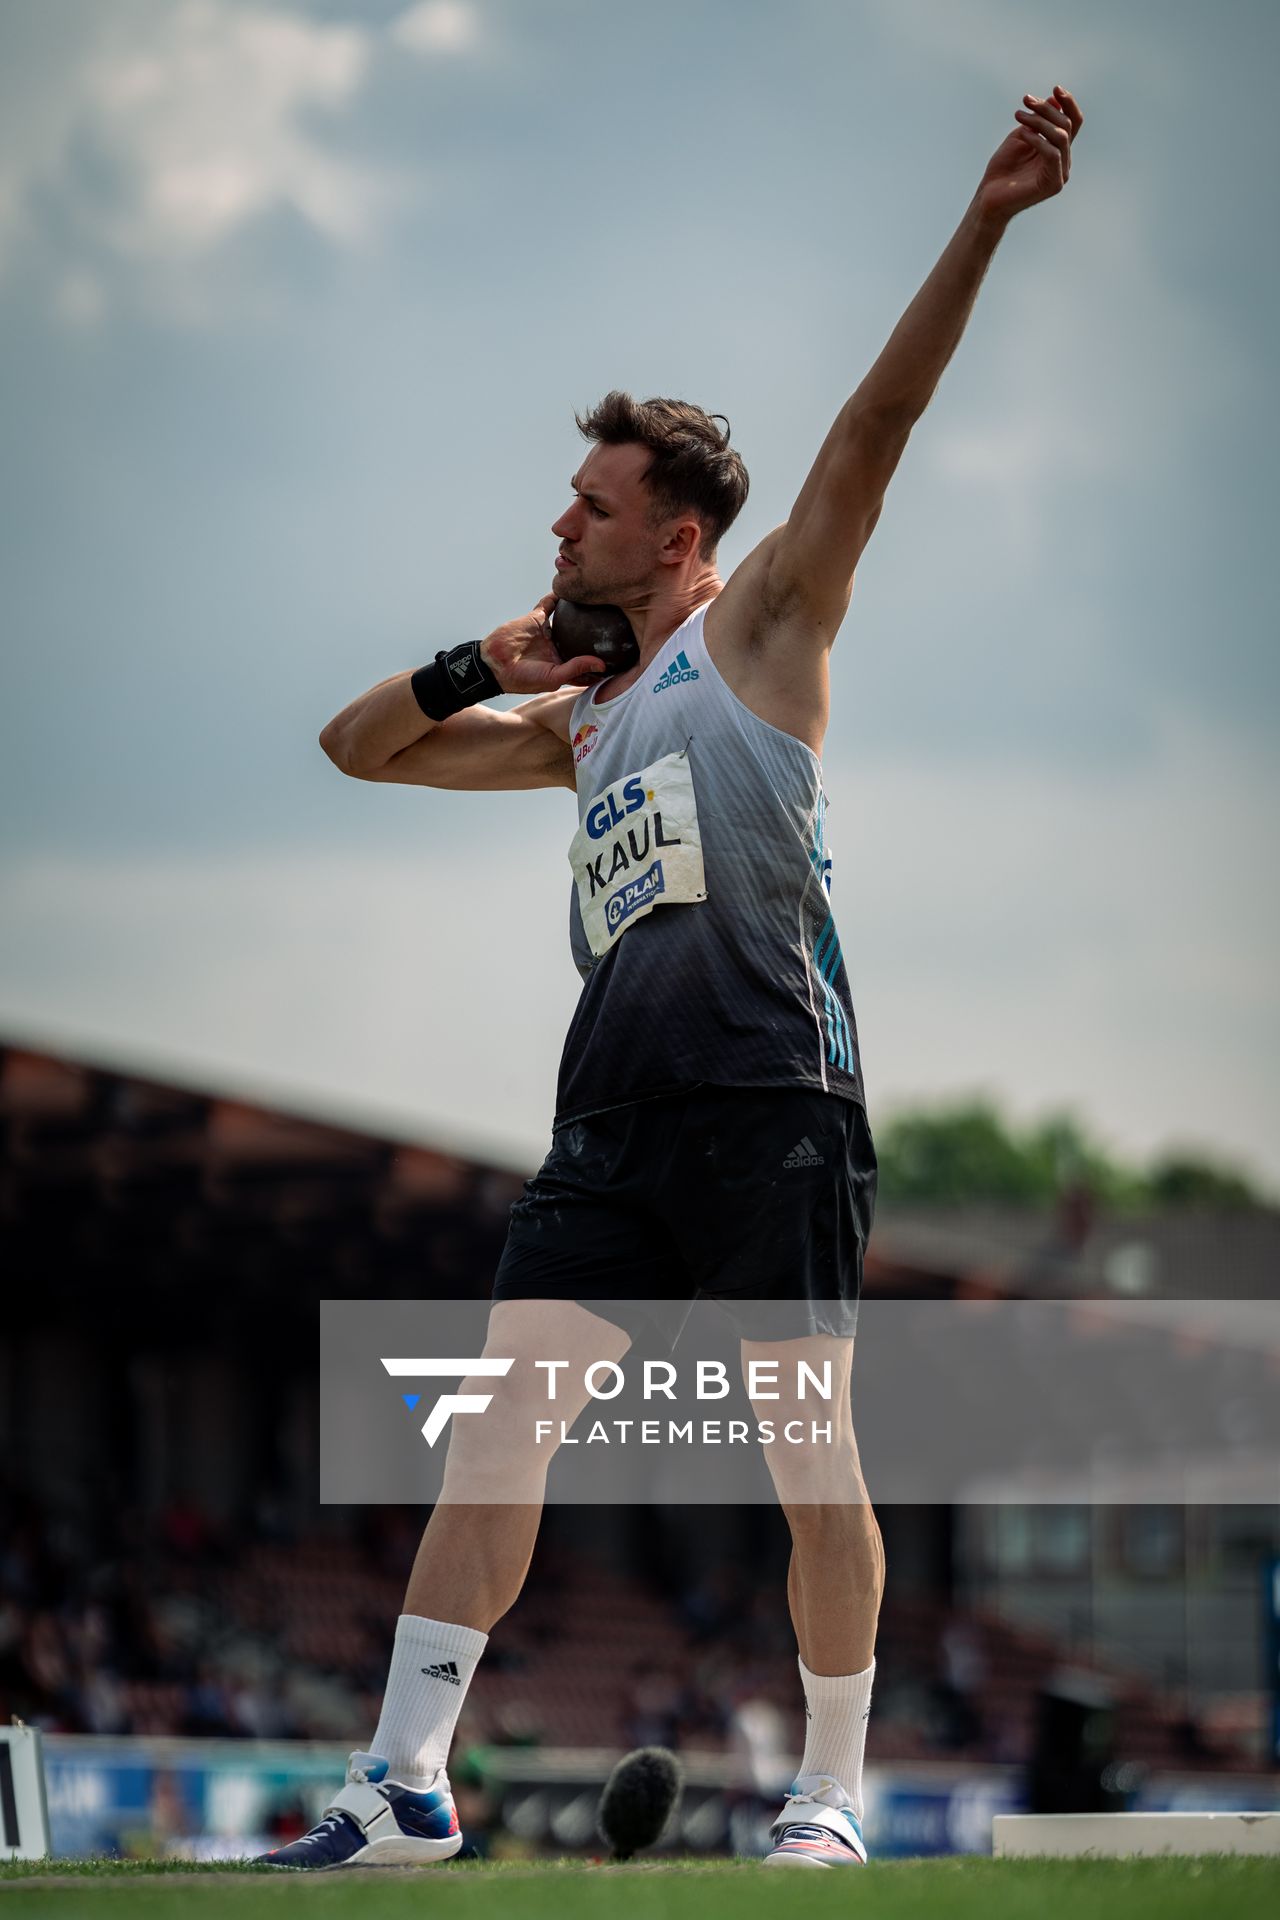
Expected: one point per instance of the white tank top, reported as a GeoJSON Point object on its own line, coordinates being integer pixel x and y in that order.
{"type": "Point", "coordinates": [700, 918]}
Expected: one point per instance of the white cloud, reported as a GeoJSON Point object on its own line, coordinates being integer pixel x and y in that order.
{"type": "Point", "coordinates": [203, 115]}
{"type": "Point", "coordinates": [436, 26]}
{"type": "Point", "coordinates": [208, 121]}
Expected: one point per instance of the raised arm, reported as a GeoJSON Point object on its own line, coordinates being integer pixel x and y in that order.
{"type": "Point", "coordinates": [813, 562]}
{"type": "Point", "coordinates": [385, 735]}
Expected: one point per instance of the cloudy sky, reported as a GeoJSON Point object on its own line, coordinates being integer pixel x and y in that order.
{"type": "Point", "coordinates": [296, 304]}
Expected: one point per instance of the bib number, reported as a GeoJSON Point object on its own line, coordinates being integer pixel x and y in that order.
{"type": "Point", "coordinates": [638, 848]}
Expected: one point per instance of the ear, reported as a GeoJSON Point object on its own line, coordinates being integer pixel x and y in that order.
{"type": "Point", "coordinates": [683, 540]}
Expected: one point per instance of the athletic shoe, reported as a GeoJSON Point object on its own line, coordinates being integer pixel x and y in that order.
{"type": "Point", "coordinates": [817, 1827]}
{"type": "Point", "coordinates": [373, 1822]}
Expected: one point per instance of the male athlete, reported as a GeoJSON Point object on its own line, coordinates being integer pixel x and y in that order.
{"type": "Point", "coordinates": [714, 1039]}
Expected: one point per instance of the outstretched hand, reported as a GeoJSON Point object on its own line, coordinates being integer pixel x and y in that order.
{"type": "Point", "coordinates": [1034, 162]}
{"type": "Point", "coordinates": [523, 655]}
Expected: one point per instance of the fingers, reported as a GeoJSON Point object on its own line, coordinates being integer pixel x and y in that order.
{"type": "Point", "coordinates": [1060, 109]}
{"type": "Point", "coordinates": [1067, 101]}
{"type": "Point", "coordinates": [1047, 119]}
{"type": "Point", "coordinates": [585, 666]}
{"type": "Point", "coordinates": [1048, 127]}
{"type": "Point", "coordinates": [1055, 110]}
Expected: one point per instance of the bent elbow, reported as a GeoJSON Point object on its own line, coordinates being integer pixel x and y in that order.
{"type": "Point", "coordinates": [332, 746]}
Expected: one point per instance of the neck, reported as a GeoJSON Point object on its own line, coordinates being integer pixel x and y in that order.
{"type": "Point", "coordinates": [655, 616]}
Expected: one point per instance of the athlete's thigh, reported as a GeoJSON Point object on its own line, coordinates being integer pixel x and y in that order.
{"type": "Point", "coordinates": [531, 1378]}
{"type": "Point", "coordinates": [551, 1344]}
{"type": "Point", "coordinates": [585, 1228]}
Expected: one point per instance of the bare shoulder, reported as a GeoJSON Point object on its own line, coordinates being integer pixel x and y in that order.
{"type": "Point", "coordinates": [770, 650]}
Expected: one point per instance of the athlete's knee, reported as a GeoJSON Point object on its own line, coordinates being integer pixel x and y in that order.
{"type": "Point", "coordinates": [818, 1467]}
{"type": "Point", "coordinates": [851, 1514]}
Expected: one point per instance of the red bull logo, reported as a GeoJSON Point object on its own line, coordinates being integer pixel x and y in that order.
{"type": "Point", "coordinates": [582, 741]}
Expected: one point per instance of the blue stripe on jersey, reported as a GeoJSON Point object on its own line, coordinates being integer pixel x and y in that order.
{"type": "Point", "coordinates": [827, 954]}
{"type": "Point", "coordinates": [826, 958]}
{"type": "Point", "coordinates": [837, 1038]}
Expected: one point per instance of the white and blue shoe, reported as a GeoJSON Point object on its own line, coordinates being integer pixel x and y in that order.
{"type": "Point", "coordinates": [817, 1827]}
{"type": "Point", "coordinates": [373, 1822]}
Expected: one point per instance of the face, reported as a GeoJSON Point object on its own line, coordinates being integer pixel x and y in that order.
{"type": "Point", "coordinates": [606, 536]}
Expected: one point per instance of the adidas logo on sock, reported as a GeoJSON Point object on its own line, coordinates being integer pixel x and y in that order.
{"type": "Point", "coordinates": [804, 1154]}
{"type": "Point", "coordinates": [677, 670]}
{"type": "Point", "coordinates": [446, 1670]}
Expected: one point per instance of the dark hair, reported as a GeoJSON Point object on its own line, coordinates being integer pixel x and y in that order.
{"type": "Point", "coordinates": [693, 466]}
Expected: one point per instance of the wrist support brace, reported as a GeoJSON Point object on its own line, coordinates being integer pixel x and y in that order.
{"type": "Point", "coordinates": [455, 679]}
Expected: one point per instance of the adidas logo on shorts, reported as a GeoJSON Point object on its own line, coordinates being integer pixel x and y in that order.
{"type": "Point", "coordinates": [446, 1670]}
{"type": "Point", "coordinates": [677, 670]}
{"type": "Point", "coordinates": [804, 1154]}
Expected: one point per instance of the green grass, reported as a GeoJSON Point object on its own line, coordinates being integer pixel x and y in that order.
{"type": "Point", "coordinates": [957, 1889]}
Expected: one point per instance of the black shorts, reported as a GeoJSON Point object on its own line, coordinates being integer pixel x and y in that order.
{"type": "Point", "coordinates": [737, 1194]}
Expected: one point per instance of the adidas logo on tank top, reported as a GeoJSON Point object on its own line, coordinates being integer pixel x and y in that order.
{"type": "Point", "coordinates": [677, 670]}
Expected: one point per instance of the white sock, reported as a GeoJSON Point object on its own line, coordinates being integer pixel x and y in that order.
{"type": "Point", "coordinates": [836, 1708]}
{"type": "Point", "coordinates": [431, 1668]}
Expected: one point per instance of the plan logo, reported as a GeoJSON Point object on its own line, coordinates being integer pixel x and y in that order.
{"type": "Point", "coordinates": [438, 1418]}
{"type": "Point", "coordinates": [633, 895]}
